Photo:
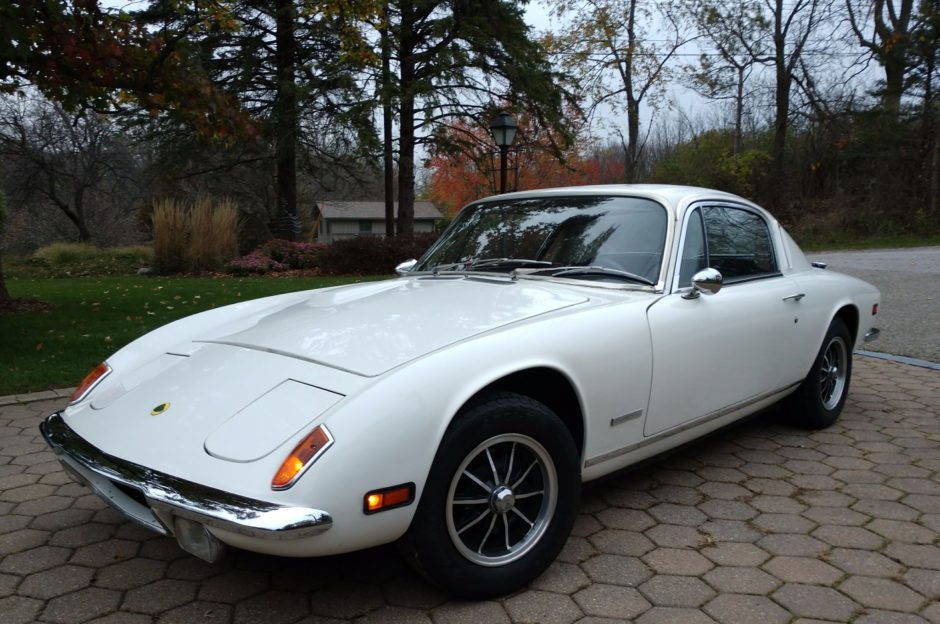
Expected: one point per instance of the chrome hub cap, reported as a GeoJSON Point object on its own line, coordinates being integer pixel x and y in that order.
{"type": "Point", "coordinates": [501, 499]}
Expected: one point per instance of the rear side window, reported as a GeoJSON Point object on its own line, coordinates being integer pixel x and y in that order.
{"type": "Point", "coordinates": [734, 241]}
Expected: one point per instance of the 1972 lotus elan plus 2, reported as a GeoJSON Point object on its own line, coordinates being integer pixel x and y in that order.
{"type": "Point", "coordinates": [548, 338]}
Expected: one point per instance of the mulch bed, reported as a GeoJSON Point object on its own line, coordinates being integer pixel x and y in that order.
{"type": "Point", "coordinates": [19, 306]}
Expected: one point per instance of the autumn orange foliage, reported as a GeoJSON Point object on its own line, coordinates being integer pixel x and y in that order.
{"type": "Point", "coordinates": [470, 169]}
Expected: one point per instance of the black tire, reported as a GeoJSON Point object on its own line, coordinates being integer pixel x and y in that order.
{"type": "Point", "coordinates": [518, 447]}
{"type": "Point", "coordinates": [818, 401]}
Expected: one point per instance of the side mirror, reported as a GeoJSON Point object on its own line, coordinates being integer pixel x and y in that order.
{"type": "Point", "coordinates": [706, 281]}
{"type": "Point", "coordinates": [404, 267]}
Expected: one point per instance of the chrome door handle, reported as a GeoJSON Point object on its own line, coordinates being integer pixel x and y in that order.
{"type": "Point", "coordinates": [796, 297]}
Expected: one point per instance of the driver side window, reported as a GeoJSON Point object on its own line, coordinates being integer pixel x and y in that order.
{"type": "Point", "coordinates": [694, 254]}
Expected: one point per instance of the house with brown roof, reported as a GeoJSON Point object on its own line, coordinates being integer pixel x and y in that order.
{"type": "Point", "coordinates": [346, 219]}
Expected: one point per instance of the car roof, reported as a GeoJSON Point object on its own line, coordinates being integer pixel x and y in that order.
{"type": "Point", "coordinates": [675, 197]}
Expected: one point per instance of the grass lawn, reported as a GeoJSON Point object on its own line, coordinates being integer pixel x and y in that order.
{"type": "Point", "coordinates": [93, 317]}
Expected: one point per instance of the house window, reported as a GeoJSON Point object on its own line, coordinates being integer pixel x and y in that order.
{"type": "Point", "coordinates": [365, 226]}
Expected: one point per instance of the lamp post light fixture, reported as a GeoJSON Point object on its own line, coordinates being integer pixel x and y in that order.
{"type": "Point", "coordinates": [504, 133]}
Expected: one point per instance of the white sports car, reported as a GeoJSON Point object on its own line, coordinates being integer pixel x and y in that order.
{"type": "Point", "coordinates": [548, 338]}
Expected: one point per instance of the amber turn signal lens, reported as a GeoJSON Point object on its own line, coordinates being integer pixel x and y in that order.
{"type": "Point", "coordinates": [89, 382]}
{"type": "Point", "coordinates": [303, 454]}
{"type": "Point", "coordinates": [388, 498]}
{"type": "Point", "coordinates": [874, 309]}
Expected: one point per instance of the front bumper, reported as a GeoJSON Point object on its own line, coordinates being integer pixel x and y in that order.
{"type": "Point", "coordinates": [173, 506]}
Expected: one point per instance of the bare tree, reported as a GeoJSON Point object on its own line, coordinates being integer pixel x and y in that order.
{"type": "Point", "coordinates": [59, 157]}
{"type": "Point", "coordinates": [607, 44]}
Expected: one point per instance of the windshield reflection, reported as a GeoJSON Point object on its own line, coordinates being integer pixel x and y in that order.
{"type": "Point", "coordinates": [626, 234]}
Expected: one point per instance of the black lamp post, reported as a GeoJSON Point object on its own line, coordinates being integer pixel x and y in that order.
{"type": "Point", "coordinates": [504, 133]}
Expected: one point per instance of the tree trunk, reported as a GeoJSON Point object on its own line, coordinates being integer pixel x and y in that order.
{"type": "Point", "coordinates": [387, 155]}
{"type": "Point", "coordinates": [738, 113]}
{"type": "Point", "coordinates": [895, 68]}
{"type": "Point", "coordinates": [781, 113]}
{"type": "Point", "coordinates": [285, 120]}
{"type": "Point", "coordinates": [4, 293]}
{"type": "Point", "coordinates": [633, 106]}
{"type": "Point", "coordinates": [406, 134]}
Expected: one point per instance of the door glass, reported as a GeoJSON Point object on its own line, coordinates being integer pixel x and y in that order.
{"type": "Point", "coordinates": [739, 243]}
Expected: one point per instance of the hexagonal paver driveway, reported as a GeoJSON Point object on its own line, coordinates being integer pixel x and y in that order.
{"type": "Point", "coordinates": [760, 523]}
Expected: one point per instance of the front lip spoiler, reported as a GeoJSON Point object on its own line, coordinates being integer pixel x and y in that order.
{"type": "Point", "coordinates": [168, 496]}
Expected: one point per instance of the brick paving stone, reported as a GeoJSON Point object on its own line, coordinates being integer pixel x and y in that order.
{"type": "Point", "coordinates": [677, 561]}
{"type": "Point", "coordinates": [586, 525]}
{"type": "Point", "coordinates": [802, 570]}
{"type": "Point", "coordinates": [563, 578]}
{"type": "Point", "coordinates": [880, 593]}
{"type": "Point", "coordinates": [673, 615]}
{"type": "Point", "coordinates": [671, 513]}
{"type": "Point", "coordinates": [197, 612]}
{"type": "Point", "coordinates": [616, 570]}
{"type": "Point", "coordinates": [736, 554]}
{"type": "Point", "coordinates": [618, 542]}
{"type": "Point", "coordinates": [926, 582]}
{"type": "Point", "coordinates": [932, 613]}
{"type": "Point", "coordinates": [731, 531]}
{"type": "Point", "coordinates": [59, 520]}
{"type": "Point", "coordinates": [676, 591]}
{"type": "Point", "coordinates": [84, 604]}
{"type": "Point", "coordinates": [675, 536]}
{"type": "Point", "coordinates": [728, 510]}
{"type": "Point", "coordinates": [741, 580]}
{"type": "Point", "coordinates": [612, 601]}
{"type": "Point", "coordinates": [836, 516]}
{"type": "Point", "coordinates": [783, 523]}
{"type": "Point", "coordinates": [915, 555]}
{"type": "Point", "coordinates": [816, 602]}
{"type": "Point", "coordinates": [82, 535]}
{"type": "Point", "coordinates": [888, 510]}
{"type": "Point", "coordinates": [10, 523]}
{"type": "Point", "coordinates": [102, 553]}
{"type": "Point", "coordinates": [576, 550]}
{"type": "Point", "coordinates": [899, 531]}
{"type": "Point", "coordinates": [20, 540]}
{"type": "Point", "coordinates": [863, 562]}
{"type": "Point", "coordinates": [34, 560]}
{"type": "Point", "coordinates": [234, 586]}
{"type": "Point", "coordinates": [159, 596]}
{"type": "Point", "coordinates": [276, 607]}
{"type": "Point", "coordinates": [874, 616]}
{"type": "Point", "coordinates": [678, 494]}
{"type": "Point", "coordinates": [745, 609]}
{"type": "Point", "coordinates": [8, 583]}
{"type": "Point", "coordinates": [121, 617]}
{"type": "Point", "coordinates": [19, 609]}
{"type": "Point", "coordinates": [626, 519]}
{"type": "Point", "coordinates": [849, 537]}
{"type": "Point", "coordinates": [411, 592]}
{"type": "Point", "coordinates": [537, 607]}
{"type": "Point", "coordinates": [55, 582]}
{"type": "Point", "coordinates": [465, 612]}
{"type": "Point", "coordinates": [793, 545]}
{"type": "Point", "coordinates": [346, 600]}
{"type": "Point", "coordinates": [130, 574]}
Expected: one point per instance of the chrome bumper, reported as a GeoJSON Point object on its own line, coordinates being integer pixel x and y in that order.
{"type": "Point", "coordinates": [872, 334]}
{"type": "Point", "coordinates": [174, 506]}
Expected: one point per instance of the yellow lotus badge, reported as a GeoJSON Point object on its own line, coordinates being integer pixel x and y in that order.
{"type": "Point", "coordinates": [159, 409]}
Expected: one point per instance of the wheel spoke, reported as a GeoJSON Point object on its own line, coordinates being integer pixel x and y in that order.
{"type": "Point", "coordinates": [506, 525]}
{"type": "Point", "coordinates": [487, 536]}
{"type": "Point", "coordinates": [512, 456]}
{"type": "Point", "coordinates": [523, 516]}
{"type": "Point", "coordinates": [475, 520]}
{"type": "Point", "coordinates": [529, 494]}
{"type": "Point", "coordinates": [471, 501]}
{"type": "Point", "coordinates": [525, 474]}
{"type": "Point", "coordinates": [489, 456]}
{"type": "Point", "coordinates": [473, 478]}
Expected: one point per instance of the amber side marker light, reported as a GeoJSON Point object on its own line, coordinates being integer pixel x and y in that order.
{"type": "Point", "coordinates": [874, 309]}
{"type": "Point", "coordinates": [388, 498]}
{"type": "Point", "coordinates": [301, 458]}
{"type": "Point", "coordinates": [88, 384]}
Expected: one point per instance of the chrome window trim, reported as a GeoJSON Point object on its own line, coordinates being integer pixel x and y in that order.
{"type": "Point", "coordinates": [705, 203]}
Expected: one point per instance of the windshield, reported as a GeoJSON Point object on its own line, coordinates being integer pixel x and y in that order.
{"type": "Point", "coordinates": [614, 237]}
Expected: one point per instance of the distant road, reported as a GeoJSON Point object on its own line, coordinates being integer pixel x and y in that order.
{"type": "Point", "coordinates": [909, 280]}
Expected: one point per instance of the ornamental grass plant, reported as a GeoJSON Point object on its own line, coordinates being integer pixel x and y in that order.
{"type": "Point", "coordinates": [199, 237]}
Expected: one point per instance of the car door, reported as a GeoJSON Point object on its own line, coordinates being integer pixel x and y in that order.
{"type": "Point", "coordinates": [715, 351]}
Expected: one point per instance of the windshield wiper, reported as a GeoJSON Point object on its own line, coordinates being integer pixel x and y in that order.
{"type": "Point", "coordinates": [471, 264]}
{"type": "Point", "coordinates": [594, 270]}
{"type": "Point", "coordinates": [507, 262]}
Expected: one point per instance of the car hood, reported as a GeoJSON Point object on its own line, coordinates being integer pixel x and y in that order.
{"type": "Point", "coordinates": [368, 329]}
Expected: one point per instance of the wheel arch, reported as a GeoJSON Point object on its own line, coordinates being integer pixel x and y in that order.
{"type": "Point", "coordinates": [848, 313]}
{"type": "Point", "coordinates": [550, 387]}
